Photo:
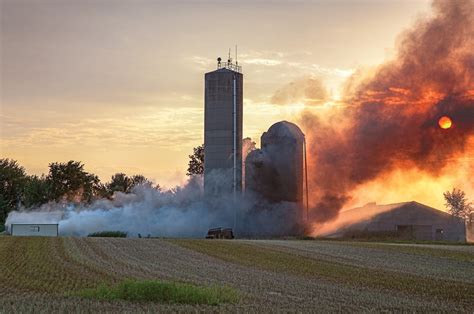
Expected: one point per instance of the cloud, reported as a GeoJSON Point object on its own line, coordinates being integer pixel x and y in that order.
{"type": "Point", "coordinates": [139, 129]}
{"type": "Point", "coordinates": [307, 90]}
{"type": "Point", "coordinates": [262, 61]}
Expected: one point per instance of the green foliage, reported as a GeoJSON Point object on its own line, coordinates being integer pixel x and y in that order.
{"type": "Point", "coordinates": [139, 179]}
{"type": "Point", "coordinates": [36, 191]}
{"type": "Point", "coordinates": [102, 191]}
{"type": "Point", "coordinates": [457, 203]}
{"type": "Point", "coordinates": [166, 292]}
{"type": "Point", "coordinates": [65, 182]}
{"type": "Point", "coordinates": [12, 182]}
{"type": "Point", "coordinates": [109, 234]}
{"type": "Point", "coordinates": [120, 182]}
{"type": "Point", "coordinates": [196, 161]}
{"type": "Point", "coordinates": [2, 227]}
{"type": "Point", "coordinates": [68, 181]}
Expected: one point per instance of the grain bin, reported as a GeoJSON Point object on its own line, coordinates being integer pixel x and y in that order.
{"type": "Point", "coordinates": [276, 171]}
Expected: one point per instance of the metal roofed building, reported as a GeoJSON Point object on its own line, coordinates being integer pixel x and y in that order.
{"type": "Point", "coordinates": [409, 220]}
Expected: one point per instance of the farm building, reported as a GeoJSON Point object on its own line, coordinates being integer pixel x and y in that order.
{"type": "Point", "coordinates": [34, 230]}
{"type": "Point", "coordinates": [470, 228]}
{"type": "Point", "coordinates": [410, 220]}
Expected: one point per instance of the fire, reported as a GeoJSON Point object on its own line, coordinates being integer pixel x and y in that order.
{"type": "Point", "coordinates": [387, 132]}
{"type": "Point", "coordinates": [445, 122]}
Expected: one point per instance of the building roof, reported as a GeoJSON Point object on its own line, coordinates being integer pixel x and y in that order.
{"type": "Point", "coordinates": [360, 217]}
{"type": "Point", "coordinates": [373, 208]}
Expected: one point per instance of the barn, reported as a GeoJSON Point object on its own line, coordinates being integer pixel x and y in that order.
{"type": "Point", "coordinates": [409, 220]}
{"type": "Point", "coordinates": [34, 230]}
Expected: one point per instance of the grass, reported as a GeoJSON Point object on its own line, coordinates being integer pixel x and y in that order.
{"type": "Point", "coordinates": [165, 292]}
{"type": "Point", "coordinates": [109, 234]}
{"type": "Point", "coordinates": [284, 262]}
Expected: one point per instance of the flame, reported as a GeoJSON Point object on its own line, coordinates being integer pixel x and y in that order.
{"type": "Point", "coordinates": [445, 122]}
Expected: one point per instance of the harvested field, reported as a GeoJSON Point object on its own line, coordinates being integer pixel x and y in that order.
{"type": "Point", "coordinates": [38, 274]}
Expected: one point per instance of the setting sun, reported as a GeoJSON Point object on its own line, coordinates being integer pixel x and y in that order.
{"type": "Point", "coordinates": [445, 122]}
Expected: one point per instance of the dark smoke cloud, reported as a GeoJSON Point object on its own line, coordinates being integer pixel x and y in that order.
{"type": "Point", "coordinates": [307, 90]}
{"type": "Point", "coordinates": [392, 118]}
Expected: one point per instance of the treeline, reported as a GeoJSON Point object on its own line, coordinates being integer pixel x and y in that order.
{"type": "Point", "coordinates": [65, 182]}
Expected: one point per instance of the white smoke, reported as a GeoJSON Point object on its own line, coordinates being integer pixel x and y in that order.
{"type": "Point", "coordinates": [180, 212]}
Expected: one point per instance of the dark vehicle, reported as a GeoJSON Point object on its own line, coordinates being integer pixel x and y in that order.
{"type": "Point", "coordinates": [220, 233]}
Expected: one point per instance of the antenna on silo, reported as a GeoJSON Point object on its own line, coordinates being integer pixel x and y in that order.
{"type": "Point", "coordinates": [236, 62]}
{"type": "Point", "coordinates": [229, 60]}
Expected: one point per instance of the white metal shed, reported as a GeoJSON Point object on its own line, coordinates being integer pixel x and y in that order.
{"type": "Point", "coordinates": [34, 230]}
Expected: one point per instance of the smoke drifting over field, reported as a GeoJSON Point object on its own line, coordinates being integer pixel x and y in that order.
{"type": "Point", "coordinates": [391, 120]}
{"type": "Point", "coordinates": [181, 212]}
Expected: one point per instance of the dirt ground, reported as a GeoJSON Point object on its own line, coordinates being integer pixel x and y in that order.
{"type": "Point", "coordinates": [36, 274]}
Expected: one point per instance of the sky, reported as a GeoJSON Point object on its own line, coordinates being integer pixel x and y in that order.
{"type": "Point", "coordinates": [119, 85]}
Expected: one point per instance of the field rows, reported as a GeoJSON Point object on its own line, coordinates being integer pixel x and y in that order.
{"type": "Point", "coordinates": [446, 262]}
{"type": "Point", "coordinates": [41, 274]}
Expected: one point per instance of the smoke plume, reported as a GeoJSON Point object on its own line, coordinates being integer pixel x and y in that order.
{"type": "Point", "coordinates": [391, 120]}
{"type": "Point", "coordinates": [307, 90]}
{"type": "Point", "coordinates": [180, 212]}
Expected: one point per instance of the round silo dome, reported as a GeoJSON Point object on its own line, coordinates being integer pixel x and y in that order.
{"type": "Point", "coordinates": [283, 145]}
{"type": "Point", "coordinates": [282, 130]}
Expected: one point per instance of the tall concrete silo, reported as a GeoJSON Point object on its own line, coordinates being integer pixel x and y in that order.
{"type": "Point", "coordinates": [276, 171]}
{"type": "Point", "coordinates": [223, 111]}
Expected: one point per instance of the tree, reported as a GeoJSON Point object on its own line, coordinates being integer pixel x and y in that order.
{"type": "Point", "coordinates": [120, 182]}
{"type": "Point", "coordinates": [247, 146]}
{"type": "Point", "coordinates": [139, 179]}
{"type": "Point", "coordinates": [12, 183]}
{"type": "Point", "coordinates": [36, 191]}
{"type": "Point", "coordinates": [457, 203]}
{"type": "Point", "coordinates": [68, 181]}
{"type": "Point", "coordinates": [196, 161]}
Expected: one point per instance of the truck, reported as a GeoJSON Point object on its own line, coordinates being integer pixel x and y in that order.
{"type": "Point", "coordinates": [220, 233]}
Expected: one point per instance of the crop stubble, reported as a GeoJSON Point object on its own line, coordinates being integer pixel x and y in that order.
{"type": "Point", "coordinates": [37, 272]}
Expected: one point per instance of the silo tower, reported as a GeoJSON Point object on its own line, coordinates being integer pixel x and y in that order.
{"type": "Point", "coordinates": [223, 109]}
{"type": "Point", "coordinates": [276, 171]}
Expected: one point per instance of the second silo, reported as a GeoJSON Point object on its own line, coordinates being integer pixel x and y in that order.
{"type": "Point", "coordinates": [277, 170]}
